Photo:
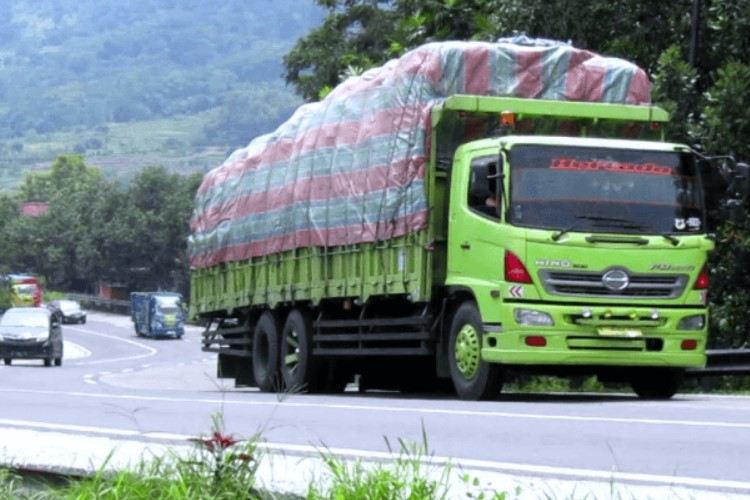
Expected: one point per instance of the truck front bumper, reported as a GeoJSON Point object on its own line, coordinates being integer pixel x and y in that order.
{"type": "Point", "coordinates": [599, 335]}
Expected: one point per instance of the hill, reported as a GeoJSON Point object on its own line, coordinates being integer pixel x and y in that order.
{"type": "Point", "coordinates": [143, 82]}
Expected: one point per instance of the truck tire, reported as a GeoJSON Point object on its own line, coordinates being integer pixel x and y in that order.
{"type": "Point", "coordinates": [473, 379]}
{"type": "Point", "coordinates": [266, 352]}
{"type": "Point", "coordinates": [298, 368]}
{"type": "Point", "coordinates": [657, 383]}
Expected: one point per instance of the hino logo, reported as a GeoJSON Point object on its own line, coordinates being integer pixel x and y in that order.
{"type": "Point", "coordinates": [616, 279]}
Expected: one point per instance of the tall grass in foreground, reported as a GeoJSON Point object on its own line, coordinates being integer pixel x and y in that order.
{"type": "Point", "coordinates": [408, 476]}
{"type": "Point", "coordinates": [224, 467]}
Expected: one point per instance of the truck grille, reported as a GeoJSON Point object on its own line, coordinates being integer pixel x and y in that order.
{"type": "Point", "coordinates": [590, 284]}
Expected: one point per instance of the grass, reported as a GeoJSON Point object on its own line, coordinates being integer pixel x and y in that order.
{"type": "Point", "coordinates": [409, 476]}
{"type": "Point", "coordinates": [222, 466]}
{"type": "Point", "coordinates": [555, 384]}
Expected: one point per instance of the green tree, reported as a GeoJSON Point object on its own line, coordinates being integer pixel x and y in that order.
{"type": "Point", "coordinates": [159, 205]}
{"type": "Point", "coordinates": [355, 34]}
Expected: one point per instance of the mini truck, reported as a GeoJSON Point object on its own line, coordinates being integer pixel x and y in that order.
{"type": "Point", "coordinates": [157, 314]}
{"type": "Point", "coordinates": [563, 238]}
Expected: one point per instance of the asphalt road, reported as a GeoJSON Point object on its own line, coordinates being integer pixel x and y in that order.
{"type": "Point", "coordinates": [113, 382]}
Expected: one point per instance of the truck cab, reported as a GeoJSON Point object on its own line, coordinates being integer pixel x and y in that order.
{"type": "Point", "coordinates": [158, 314]}
{"type": "Point", "coordinates": [25, 290]}
{"type": "Point", "coordinates": [591, 256]}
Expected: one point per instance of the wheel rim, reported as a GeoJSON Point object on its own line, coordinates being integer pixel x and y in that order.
{"type": "Point", "coordinates": [467, 351]}
{"type": "Point", "coordinates": [291, 359]}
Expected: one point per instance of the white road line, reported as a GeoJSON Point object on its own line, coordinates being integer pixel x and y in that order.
{"type": "Point", "coordinates": [399, 409]}
{"type": "Point", "coordinates": [461, 463]}
{"type": "Point", "coordinates": [90, 381]}
{"type": "Point", "coordinates": [75, 351]}
{"type": "Point", "coordinates": [510, 467]}
{"type": "Point", "coordinates": [151, 350]}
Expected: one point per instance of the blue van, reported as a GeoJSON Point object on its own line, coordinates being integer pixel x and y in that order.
{"type": "Point", "coordinates": [158, 314]}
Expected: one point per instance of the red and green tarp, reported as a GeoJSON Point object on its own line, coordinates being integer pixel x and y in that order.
{"type": "Point", "coordinates": [350, 168]}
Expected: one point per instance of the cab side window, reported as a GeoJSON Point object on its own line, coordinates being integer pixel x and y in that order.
{"type": "Point", "coordinates": [484, 181]}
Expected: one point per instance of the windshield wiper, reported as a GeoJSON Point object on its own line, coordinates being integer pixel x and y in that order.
{"type": "Point", "coordinates": [568, 229]}
{"type": "Point", "coordinates": [674, 241]}
{"type": "Point", "coordinates": [623, 224]}
{"type": "Point", "coordinates": [640, 227]}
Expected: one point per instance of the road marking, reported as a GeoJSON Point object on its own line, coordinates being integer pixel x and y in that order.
{"type": "Point", "coordinates": [509, 467]}
{"type": "Point", "coordinates": [74, 351]}
{"type": "Point", "coordinates": [397, 409]}
{"type": "Point", "coordinates": [460, 463]}
{"type": "Point", "coordinates": [151, 350]}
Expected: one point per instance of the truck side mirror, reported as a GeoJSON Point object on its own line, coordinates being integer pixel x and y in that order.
{"type": "Point", "coordinates": [742, 178]}
{"type": "Point", "coordinates": [734, 211]}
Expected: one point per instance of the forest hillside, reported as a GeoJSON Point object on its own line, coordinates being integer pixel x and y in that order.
{"type": "Point", "coordinates": [143, 82]}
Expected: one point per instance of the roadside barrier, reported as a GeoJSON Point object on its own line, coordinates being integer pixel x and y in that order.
{"type": "Point", "coordinates": [102, 304]}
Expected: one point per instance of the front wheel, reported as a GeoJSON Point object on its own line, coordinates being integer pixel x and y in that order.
{"type": "Point", "coordinates": [657, 383]}
{"type": "Point", "coordinates": [8, 361]}
{"type": "Point", "coordinates": [473, 378]}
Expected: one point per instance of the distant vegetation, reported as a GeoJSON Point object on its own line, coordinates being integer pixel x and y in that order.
{"type": "Point", "coordinates": [143, 82]}
{"type": "Point", "coordinates": [96, 230]}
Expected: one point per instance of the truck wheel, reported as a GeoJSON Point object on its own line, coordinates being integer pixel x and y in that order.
{"type": "Point", "coordinates": [473, 378]}
{"type": "Point", "coordinates": [48, 362]}
{"type": "Point", "coordinates": [266, 352]}
{"type": "Point", "coordinates": [7, 361]}
{"type": "Point", "coordinates": [298, 368]}
{"type": "Point", "coordinates": [657, 383]}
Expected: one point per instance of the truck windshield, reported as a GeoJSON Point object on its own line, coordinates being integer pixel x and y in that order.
{"type": "Point", "coordinates": [588, 189]}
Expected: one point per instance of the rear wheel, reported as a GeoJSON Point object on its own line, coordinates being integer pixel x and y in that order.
{"type": "Point", "coordinates": [657, 383]}
{"type": "Point", "coordinates": [473, 378]}
{"type": "Point", "coordinates": [266, 352]}
{"type": "Point", "coordinates": [48, 362]}
{"type": "Point", "coordinates": [298, 368]}
{"type": "Point", "coordinates": [58, 361]}
{"type": "Point", "coordinates": [7, 361]}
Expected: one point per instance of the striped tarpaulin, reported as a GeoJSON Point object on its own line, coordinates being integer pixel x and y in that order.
{"type": "Point", "coordinates": [351, 168]}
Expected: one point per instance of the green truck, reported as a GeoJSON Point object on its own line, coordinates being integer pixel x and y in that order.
{"type": "Point", "coordinates": [561, 238]}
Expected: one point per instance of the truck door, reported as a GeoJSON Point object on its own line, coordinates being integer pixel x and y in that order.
{"type": "Point", "coordinates": [475, 251]}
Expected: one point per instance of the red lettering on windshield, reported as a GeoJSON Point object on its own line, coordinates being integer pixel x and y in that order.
{"type": "Point", "coordinates": [610, 166]}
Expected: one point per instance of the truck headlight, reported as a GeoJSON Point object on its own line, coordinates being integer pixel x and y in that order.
{"type": "Point", "coordinates": [695, 322]}
{"type": "Point", "coordinates": [532, 317]}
